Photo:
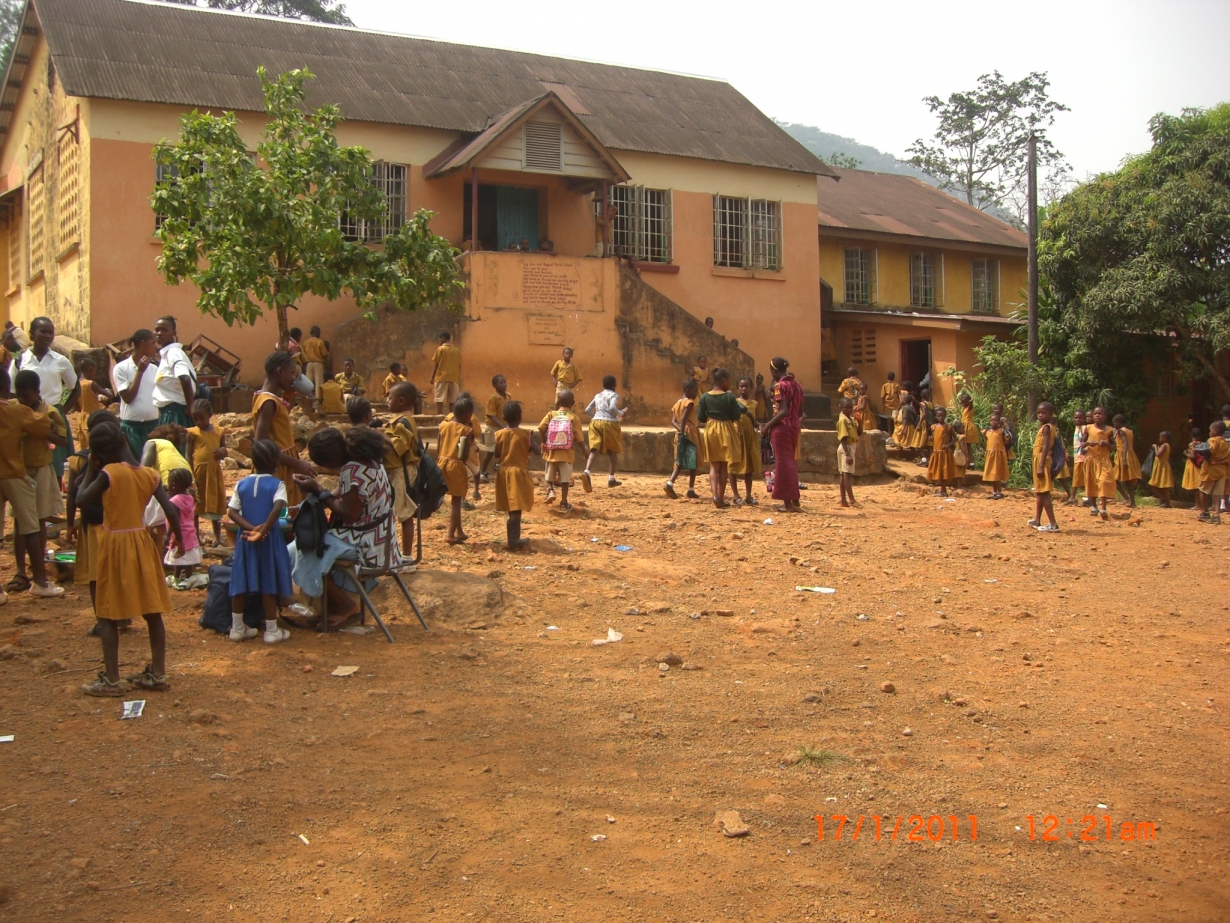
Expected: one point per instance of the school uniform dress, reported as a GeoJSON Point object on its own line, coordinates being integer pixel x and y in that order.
{"type": "Point", "coordinates": [922, 433]}
{"type": "Point", "coordinates": [1127, 463]}
{"type": "Point", "coordinates": [941, 467]}
{"type": "Point", "coordinates": [1191, 473]}
{"type": "Point", "coordinates": [1044, 444]}
{"type": "Point", "coordinates": [1162, 477]}
{"type": "Point", "coordinates": [452, 465]}
{"type": "Point", "coordinates": [973, 435]}
{"type": "Point", "coordinates": [514, 490]}
{"type": "Point", "coordinates": [847, 432]}
{"type": "Point", "coordinates": [207, 471]}
{"type": "Point", "coordinates": [719, 411]}
{"type": "Point", "coordinates": [995, 468]}
{"type": "Point", "coordinates": [688, 445]}
{"type": "Point", "coordinates": [862, 414]}
{"type": "Point", "coordinates": [264, 566]}
{"type": "Point", "coordinates": [1099, 472]}
{"type": "Point", "coordinates": [560, 461]}
{"type": "Point", "coordinates": [605, 433]}
{"type": "Point", "coordinates": [751, 462]}
{"type": "Point", "coordinates": [130, 579]}
{"type": "Point", "coordinates": [89, 404]}
{"type": "Point", "coordinates": [283, 436]}
{"type": "Point", "coordinates": [903, 432]}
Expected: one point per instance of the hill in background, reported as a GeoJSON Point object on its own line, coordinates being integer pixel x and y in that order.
{"type": "Point", "coordinates": [824, 144]}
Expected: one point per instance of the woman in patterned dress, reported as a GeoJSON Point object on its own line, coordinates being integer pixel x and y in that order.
{"type": "Point", "coordinates": [783, 429]}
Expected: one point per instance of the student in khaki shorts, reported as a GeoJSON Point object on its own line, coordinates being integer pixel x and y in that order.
{"type": "Point", "coordinates": [560, 461]}
{"type": "Point", "coordinates": [315, 353]}
{"type": "Point", "coordinates": [493, 422]}
{"type": "Point", "coordinates": [847, 440]}
{"type": "Point", "coordinates": [565, 373]}
{"type": "Point", "coordinates": [17, 489]}
{"type": "Point", "coordinates": [1213, 474]}
{"type": "Point", "coordinates": [37, 455]}
{"type": "Point", "coordinates": [446, 372]}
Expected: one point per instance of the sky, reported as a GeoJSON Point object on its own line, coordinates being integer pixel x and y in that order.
{"type": "Point", "coordinates": [862, 69]}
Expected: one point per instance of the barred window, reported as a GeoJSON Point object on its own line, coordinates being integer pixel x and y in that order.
{"type": "Point", "coordinates": [389, 178]}
{"type": "Point", "coordinates": [747, 233]}
{"type": "Point", "coordinates": [69, 205]}
{"type": "Point", "coordinates": [860, 276]}
{"type": "Point", "coordinates": [641, 223]}
{"type": "Point", "coordinates": [985, 286]}
{"type": "Point", "coordinates": [36, 233]}
{"type": "Point", "coordinates": [922, 280]}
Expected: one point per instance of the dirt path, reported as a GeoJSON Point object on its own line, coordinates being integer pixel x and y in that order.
{"type": "Point", "coordinates": [515, 771]}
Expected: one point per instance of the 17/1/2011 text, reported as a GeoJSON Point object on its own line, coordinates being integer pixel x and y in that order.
{"type": "Point", "coordinates": [915, 828]}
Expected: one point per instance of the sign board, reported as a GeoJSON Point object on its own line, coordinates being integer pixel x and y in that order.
{"type": "Point", "coordinates": [550, 284]}
{"type": "Point", "coordinates": [545, 329]}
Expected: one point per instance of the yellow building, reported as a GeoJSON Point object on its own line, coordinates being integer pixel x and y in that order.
{"type": "Point", "coordinates": [911, 279]}
{"type": "Point", "coordinates": [605, 208]}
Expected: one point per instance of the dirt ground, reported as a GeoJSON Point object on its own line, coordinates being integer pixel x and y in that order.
{"type": "Point", "coordinates": [503, 767]}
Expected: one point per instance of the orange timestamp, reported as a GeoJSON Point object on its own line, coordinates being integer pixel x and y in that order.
{"type": "Point", "coordinates": [1091, 828]}
{"type": "Point", "coordinates": [914, 828]}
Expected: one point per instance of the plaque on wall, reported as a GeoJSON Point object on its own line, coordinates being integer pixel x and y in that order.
{"type": "Point", "coordinates": [545, 329]}
{"type": "Point", "coordinates": [550, 285]}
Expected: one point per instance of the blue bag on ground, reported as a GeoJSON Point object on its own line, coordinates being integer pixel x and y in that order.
{"type": "Point", "coordinates": [217, 611]}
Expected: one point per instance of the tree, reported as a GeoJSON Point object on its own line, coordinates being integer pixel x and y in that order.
{"type": "Point", "coordinates": [843, 161]}
{"type": "Point", "coordinates": [10, 22]}
{"type": "Point", "coordinates": [1145, 250]}
{"type": "Point", "coordinates": [979, 148]}
{"type": "Point", "coordinates": [256, 237]}
{"type": "Point", "coordinates": [329, 11]}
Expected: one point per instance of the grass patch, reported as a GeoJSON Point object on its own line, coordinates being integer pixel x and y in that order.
{"type": "Point", "coordinates": [816, 756]}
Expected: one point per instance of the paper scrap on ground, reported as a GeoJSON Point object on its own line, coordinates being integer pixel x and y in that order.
{"type": "Point", "coordinates": [358, 630]}
{"type": "Point", "coordinates": [815, 589]}
{"type": "Point", "coordinates": [611, 637]}
{"type": "Point", "coordinates": [6, 739]}
{"type": "Point", "coordinates": [623, 547]}
{"type": "Point", "coordinates": [552, 628]}
{"type": "Point", "coordinates": [133, 709]}
{"type": "Point", "coordinates": [768, 522]}
{"type": "Point", "coordinates": [345, 671]}
{"type": "Point", "coordinates": [305, 839]}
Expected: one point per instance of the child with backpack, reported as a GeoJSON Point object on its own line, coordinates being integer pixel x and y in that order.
{"type": "Point", "coordinates": [1127, 463]}
{"type": "Point", "coordinates": [561, 430]}
{"type": "Point", "coordinates": [1048, 449]}
{"type": "Point", "coordinates": [455, 441]}
{"type": "Point", "coordinates": [262, 563]}
{"type": "Point", "coordinates": [402, 464]}
{"type": "Point", "coordinates": [514, 491]}
{"type": "Point", "coordinates": [1214, 470]}
{"type": "Point", "coordinates": [688, 445]}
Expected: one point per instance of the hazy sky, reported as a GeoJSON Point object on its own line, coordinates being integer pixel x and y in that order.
{"type": "Point", "coordinates": [861, 69]}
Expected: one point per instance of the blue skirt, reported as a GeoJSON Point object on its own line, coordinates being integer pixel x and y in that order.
{"type": "Point", "coordinates": [261, 567]}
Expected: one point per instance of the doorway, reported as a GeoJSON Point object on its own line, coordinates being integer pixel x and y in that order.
{"type": "Point", "coordinates": [507, 215]}
{"type": "Point", "coordinates": [915, 360]}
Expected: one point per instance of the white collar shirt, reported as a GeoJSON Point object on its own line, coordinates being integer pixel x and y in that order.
{"type": "Point", "coordinates": [142, 408]}
{"type": "Point", "coordinates": [172, 364]}
{"type": "Point", "coordinates": [56, 375]}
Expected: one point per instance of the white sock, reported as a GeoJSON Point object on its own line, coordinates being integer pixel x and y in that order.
{"type": "Point", "coordinates": [237, 621]}
{"type": "Point", "coordinates": [271, 626]}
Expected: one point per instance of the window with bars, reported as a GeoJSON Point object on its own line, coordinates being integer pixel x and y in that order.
{"type": "Point", "coordinates": [69, 205]}
{"type": "Point", "coordinates": [922, 280]}
{"type": "Point", "coordinates": [36, 230]}
{"type": "Point", "coordinates": [389, 178]}
{"type": "Point", "coordinates": [860, 276]}
{"type": "Point", "coordinates": [747, 233]}
{"type": "Point", "coordinates": [985, 286]}
{"type": "Point", "coordinates": [863, 346]}
{"type": "Point", "coordinates": [641, 223]}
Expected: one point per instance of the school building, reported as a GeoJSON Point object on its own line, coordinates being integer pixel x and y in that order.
{"type": "Point", "coordinates": [911, 279]}
{"type": "Point", "coordinates": [605, 208]}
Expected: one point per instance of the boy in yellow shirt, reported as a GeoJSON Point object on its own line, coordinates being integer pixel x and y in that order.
{"type": "Point", "coordinates": [397, 374]}
{"type": "Point", "coordinates": [350, 380]}
{"type": "Point", "coordinates": [687, 441]}
{"type": "Point", "coordinates": [559, 446]}
{"type": "Point", "coordinates": [850, 384]}
{"type": "Point", "coordinates": [701, 374]}
{"type": "Point", "coordinates": [847, 441]}
{"type": "Point", "coordinates": [18, 421]}
{"type": "Point", "coordinates": [315, 353]}
{"type": "Point", "coordinates": [1213, 474]}
{"type": "Point", "coordinates": [890, 397]}
{"type": "Point", "coordinates": [492, 423]}
{"type": "Point", "coordinates": [36, 459]}
{"type": "Point", "coordinates": [332, 399]}
{"type": "Point", "coordinates": [446, 372]}
{"type": "Point", "coordinates": [565, 373]}
{"type": "Point", "coordinates": [402, 463]}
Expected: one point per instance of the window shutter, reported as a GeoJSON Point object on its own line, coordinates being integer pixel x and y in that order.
{"type": "Point", "coordinates": [543, 147]}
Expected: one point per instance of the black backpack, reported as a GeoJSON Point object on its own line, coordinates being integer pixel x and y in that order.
{"type": "Point", "coordinates": [216, 614]}
{"type": "Point", "coordinates": [311, 524]}
{"type": "Point", "coordinates": [91, 513]}
{"type": "Point", "coordinates": [428, 490]}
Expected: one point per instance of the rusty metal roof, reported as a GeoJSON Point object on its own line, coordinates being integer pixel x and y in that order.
{"type": "Point", "coordinates": [168, 53]}
{"type": "Point", "coordinates": [892, 203]}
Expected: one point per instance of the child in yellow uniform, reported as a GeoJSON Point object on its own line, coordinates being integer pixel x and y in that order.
{"type": "Point", "coordinates": [960, 451]}
{"type": "Point", "coordinates": [751, 464]}
{"type": "Point", "coordinates": [1191, 473]}
{"type": "Point", "coordinates": [850, 384]}
{"type": "Point", "coordinates": [995, 468]}
{"type": "Point", "coordinates": [351, 382]}
{"type": "Point", "coordinates": [847, 442]}
{"type": "Point", "coordinates": [941, 468]}
{"type": "Point", "coordinates": [37, 455]}
{"type": "Point", "coordinates": [514, 490]}
{"type": "Point", "coordinates": [973, 435]}
{"type": "Point", "coordinates": [559, 446]}
{"type": "Point", "coordinates": [493, 422]}
{"type": "Point", "coordinates": [890, 396]}
{"type": "Point", "coordinates": [446, 371]}
{"type": "Point", "coordinates": [1099, 471]}
{"type": "Point", "coordinates": [397, 374]}
{"type": "Point", "coordinates": [1077, 457]}
{"type": "Point", "coordinates": [719, 411]}
{"type": "Point", "coordinates": [1127, 463]}
{"type": "Point", "coordinates": [315, 353]}
{"type": "Point", "coordinates": [332, 395]}
{"type": "Point", "coordinates": [1161, 478]}
{"type": "Point", "coordinates": [922, 435]}
{"type": "Point", "coordinates": [862, 411]}
{"type": "Point", "coordinates": [455, 440]}
{"type": "Point", "coordinates": [905, 429]}
{"type": "Point", "coordinates": [701, 374]}
{"type": "Point", "coordinates": [401, 463]}
{"type": "Point", "coordinates": [1044, 468]}
{"type": "Point", "coordinates": [206, 449]}
{"type": "Point", "coordinates": [129, 572]}
{"type": "Point", "coordinates": [95, 395]}
{"type": "Point", "coordinates": [565, 373]}
{"type": "Point", "coordinates": [1213, 475]}
{"type": "Point", "coordinates": [688, 444]}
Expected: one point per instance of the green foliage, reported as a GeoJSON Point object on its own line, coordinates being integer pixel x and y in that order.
{"type": "Point", "coordinates": [10, 21]}
{"type": "Point", "coordinates": [258, 235]}
{"type": "Point", "coordinates": [818, 756]}
{"type": "Point", "coordinates": [1139, 259]}
{"type": "Point", "coordinates": [842, 161]}
{"type": "Point", "coordinates": [329, 11]}
{"type": "Point", "coordinates": [823, 143]}
{"type": "Point", "coordinates": [980, 144]}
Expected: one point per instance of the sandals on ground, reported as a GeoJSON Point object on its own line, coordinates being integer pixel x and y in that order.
{"type": "Point", "coordinates": [19, 584]}
{"type": "Point", "coordinates": [147, 679]}
{"type": "Point", "coordinates": [103, 688]}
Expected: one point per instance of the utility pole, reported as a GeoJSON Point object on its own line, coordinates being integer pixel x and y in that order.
{"type": "Point", "coordinates": [1032, 206]}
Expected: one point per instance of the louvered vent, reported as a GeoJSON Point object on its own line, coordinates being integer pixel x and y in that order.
{"type": "Point", "coordinates": [544, 146]}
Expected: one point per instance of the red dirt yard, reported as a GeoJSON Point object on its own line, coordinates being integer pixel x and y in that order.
{"type": "Point", "coordinates": [503, 767]}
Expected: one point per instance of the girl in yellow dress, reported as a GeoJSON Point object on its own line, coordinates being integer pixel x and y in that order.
{"type": "Point", "coordinates": [271, 420]}
{"type": "Point", "coordinates": [1161, 480]}
{"type": "Point", "coordinates": [922, 435]}
{"type": "Point", "coordinates": [455, 440]}
{"type": "Point", "coordinates": [960, 451]}
{"type": "Point", "coordinates": [514, 491]}
{"type": "Point", "coordinates": [1191, 474]}
{"type": "Point", "coordinates": [1077, 457]}
{"type": "Point", "coordinates": [206, 451]}
{"type": "Point", "coordinates": [1099, 472]}
{"type": "Point", "coordinates": [995, 469]}
{"type": "Point", "coordinates": [719, 411]}
{"type": "Point", "coordinates": [1044, 470]}
{"type": "Point", "coordinates": [941, 468]}
{"type": "Point", "coordinates": [1127, 463]}
{"type": "Point", "coordinates": [128, 572]}
{"type": "Point", "coordinates": [751, 464]}
{"type": "Point", "coordinates": [906, 424]}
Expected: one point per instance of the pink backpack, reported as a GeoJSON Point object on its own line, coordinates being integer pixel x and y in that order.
{"type": "Point", "coordinates": [559, 432]}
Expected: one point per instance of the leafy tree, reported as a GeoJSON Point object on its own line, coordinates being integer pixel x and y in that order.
{"type": "Point", "coordinates": [10, 21]}
{"type": "Point", "coordinates": [256, 235]}
{"type": "Point", "coordinates": [843, 161]}
{"type": "Point", "coordinates": [980, 146]}
{"type": "Point", "coordinates": [1145, 251]}
{"type": "Point", "coordinates": [313, 10]}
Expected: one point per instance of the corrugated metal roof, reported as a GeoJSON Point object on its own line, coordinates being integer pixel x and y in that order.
{"type": "Point", "coordinates": [905, 205]}
{"type": "Point", "coordinates": [167, 53]}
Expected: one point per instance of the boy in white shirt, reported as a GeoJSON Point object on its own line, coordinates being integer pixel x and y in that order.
{"type": "Point", "coordinates": [605, 433]}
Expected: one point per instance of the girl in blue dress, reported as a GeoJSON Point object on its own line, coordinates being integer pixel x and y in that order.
{"type": "Point", "coordinates": [262, 564]}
